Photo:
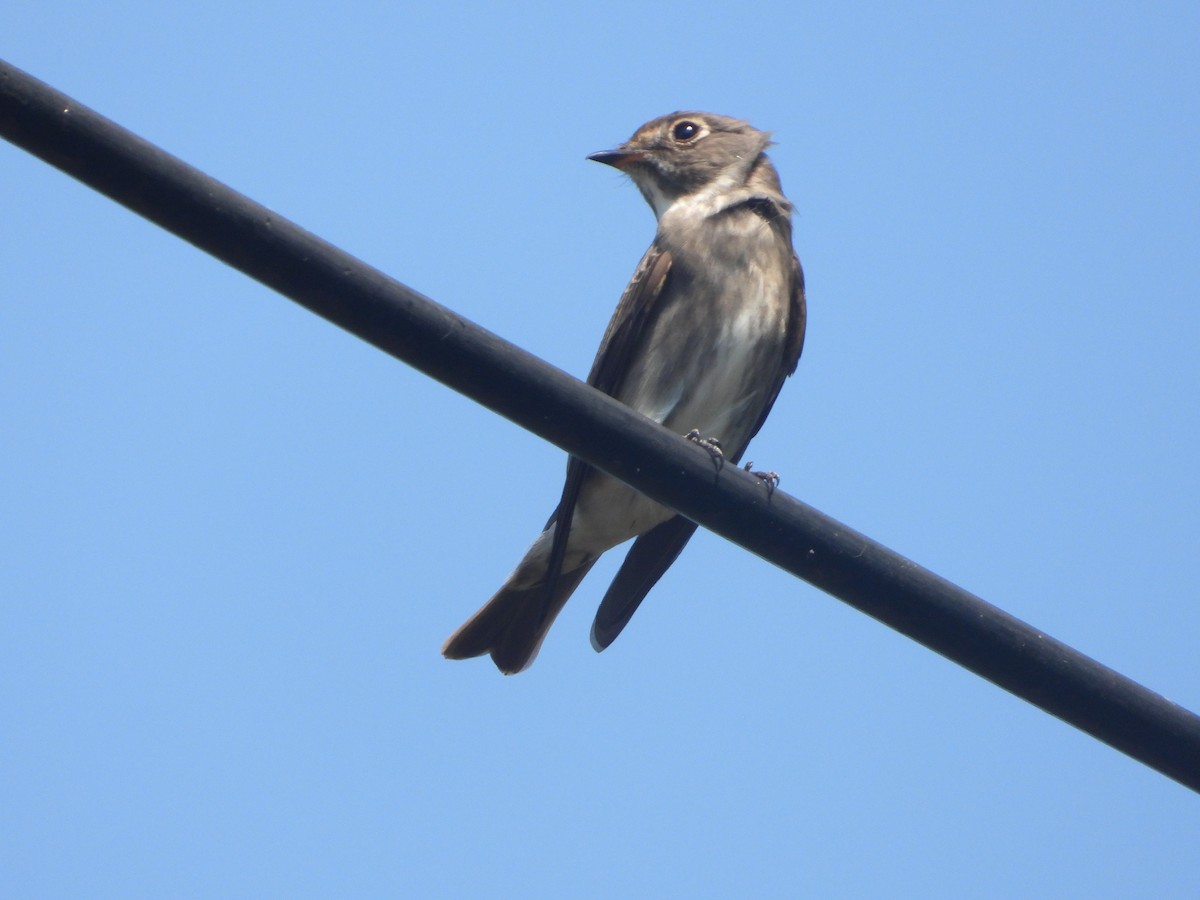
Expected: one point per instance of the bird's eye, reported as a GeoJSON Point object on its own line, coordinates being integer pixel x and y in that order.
{"type": "Point", "coordinates": [685, 130]}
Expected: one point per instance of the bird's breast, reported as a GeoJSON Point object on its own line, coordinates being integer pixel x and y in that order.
{"type": "Point", "coordinates": [712, 353]}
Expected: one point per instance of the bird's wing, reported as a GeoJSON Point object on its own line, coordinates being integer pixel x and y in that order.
{"type": "Point", "coordinates": [625, 329]}
{"type": "Point", "coordinates": [797, 319]}
{"type": "Point", "coordinates": [649, 557]}
{"type": "Point", "coordinates": [621, 338]}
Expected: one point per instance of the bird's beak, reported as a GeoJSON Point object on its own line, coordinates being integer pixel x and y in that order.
{"type": "Point", "coordinates": [619, 158]}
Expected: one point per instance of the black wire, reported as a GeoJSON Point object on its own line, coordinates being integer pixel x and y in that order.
{"type": "Point", "coordinates": [599, 430]}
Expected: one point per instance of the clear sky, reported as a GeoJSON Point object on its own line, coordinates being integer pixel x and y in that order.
{"type": "Point", "coordinates": [234, 537]}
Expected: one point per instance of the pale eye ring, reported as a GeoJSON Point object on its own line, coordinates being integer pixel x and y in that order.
{"type": "Point", "coordinates": [685, 130]}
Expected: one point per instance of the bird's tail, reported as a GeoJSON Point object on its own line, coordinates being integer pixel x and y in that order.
{"type": "Point", "coordinates": [512, 625]}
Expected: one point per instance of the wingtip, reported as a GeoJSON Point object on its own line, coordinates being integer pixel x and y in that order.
{"type": "Point", "coordinates": [598, 642]}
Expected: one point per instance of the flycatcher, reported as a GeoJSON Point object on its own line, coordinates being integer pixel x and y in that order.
{"type": "Point", "coordinates": [711, 324]}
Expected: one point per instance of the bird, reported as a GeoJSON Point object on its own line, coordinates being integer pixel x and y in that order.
{"type": "Point", "coordinates": [703, 337]}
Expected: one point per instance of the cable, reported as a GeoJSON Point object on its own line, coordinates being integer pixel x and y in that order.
{"type": "Point", "coordinates": [596, 428]}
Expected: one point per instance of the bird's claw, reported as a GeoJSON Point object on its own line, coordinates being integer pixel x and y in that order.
{"type": "Point", "coordinates": [770, 479]}
{"type": "Point", "coordinates": [711, 444]}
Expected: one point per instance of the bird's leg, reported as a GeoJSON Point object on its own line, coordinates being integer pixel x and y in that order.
{"type": "Point", "coordinates": [711, 444]}
{"type": "Point", "coordinates": [770, 479]}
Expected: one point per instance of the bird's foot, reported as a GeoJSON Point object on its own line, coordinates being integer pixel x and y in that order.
{"type": "Point", "coordinates": [770, 479]}
{"type": "Point", "coordinates": [711, 444]}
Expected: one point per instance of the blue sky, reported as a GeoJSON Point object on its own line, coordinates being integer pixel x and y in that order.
{"type": "Point", "coordinates": [235, 537]}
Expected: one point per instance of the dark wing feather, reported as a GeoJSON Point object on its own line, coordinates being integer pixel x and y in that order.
{"type": "Point", "coordinates": [649, 557]}
{"type": "Point", "coordinates": [797, 320]}
{"type": "Point", "coordinates": [620, 341]}
{"type": "Point", "coordinates": [629, 320]}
